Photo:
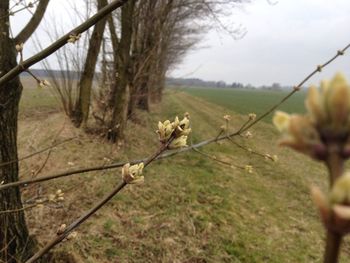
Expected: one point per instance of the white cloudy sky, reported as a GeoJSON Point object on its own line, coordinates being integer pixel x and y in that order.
{"type": "Point", "coordinates": [284, 42]}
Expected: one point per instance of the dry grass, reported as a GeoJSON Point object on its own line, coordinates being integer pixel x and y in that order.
{"type": "Point", "coordinates": [190, 209]}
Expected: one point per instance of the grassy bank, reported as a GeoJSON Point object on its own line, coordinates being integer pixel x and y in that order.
{"type": "Point", "coordinates": [190, 208]}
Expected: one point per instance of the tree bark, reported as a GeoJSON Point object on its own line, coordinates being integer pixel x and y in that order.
{"type": "Point", "coordinates": [15, 243]}
{"type": "Point", "coordinates": [121, 90]}
{"type": "Point", "coordinates": [81, 112]}
{"type": "Point", "coordinates": [147, 48]}
{"type": "Point", "coordinates": [143, 94]}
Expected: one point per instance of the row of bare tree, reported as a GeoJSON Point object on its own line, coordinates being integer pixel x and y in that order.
{"type": "Point", "coordinates": [137, 46]}
{"type": "Point", "coordinates": [148, 37]}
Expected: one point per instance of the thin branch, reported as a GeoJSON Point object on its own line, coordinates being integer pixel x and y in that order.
{"type": "Point", "coordinates": [61, 236]}
{"type": "Point", "coordinates": [298, 87]}
{"type": "Point", "coordinates": [33, 23]}
{"type": "Point", "coordinates": [31, 73]}
{"type": "Point", "coordinates": [38, 152]}
{"type": "Point", "coordinates": [12, 13]}
{"type": "Point", "coordinates": [214, 158]}
{"type": "Point", "coordinates": [114, 165]}
{"type": "Point", "coordinates": [250, 150]}
{"type": "Point", "coordinates": [22, 208]}
{"type": "Point", "coordinates": [244, 125]}
{"type": "Point", "coordinates": [16, 4]}
{"type": "Point", "coordinates": [103, 167]}
{"type": "Point", "coordinates": [37, 172]}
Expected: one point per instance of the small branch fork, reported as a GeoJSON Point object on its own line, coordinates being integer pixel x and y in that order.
{"type": "Point", "coordinates": [54, 145]}
{"type": "Point", "coordinates": [214, 158]}
{"type": "Point", "coordinates": [24, 7]}
{"type": "Point", "coordinates": [266, 156]}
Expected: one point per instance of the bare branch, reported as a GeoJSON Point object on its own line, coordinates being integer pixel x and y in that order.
{"type": "Point", "coordinates": [214, 158]}
{"type": "Point", "coordinates": [61, 236]}
{"type": "Point", "coordinates": [298, 87]}
{"type": "Point", "coordinates": [33, 23]}
{"type": "Point", "coordinates": [37, 152]}
{"type": "Point", "coordinates": [38, 171]}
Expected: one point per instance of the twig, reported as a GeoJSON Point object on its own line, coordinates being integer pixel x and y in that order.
{"type": "Point", "coordinates": [112, 166]}
{"type": "Point", "coordinates": [244, 125]}
{"type": "Point", "coordinates": [220, 132]}
{"type": "Point", "coordinates": [38, 152]}
{"type": "Point", "coordinates": [250, 150]}
{"type": "Point", "coordinates": [12, 13]}
{"type": "Point", "coordinates": [31, 73]}
{"type": "Point", "coordinates": [37, 172]}
{"type": "Point", "coordinates": [102, 167]}
{"type": "Point", "coordinates": [298, 87]}
{"type": "Point", "coordinates": [15, 4]}
{"type": "Point", "coordinates": [61, 236]}
{"type": "Point", "coordinates": [216, 159]}
{"type": "Point", "coordinates": [21, 209]}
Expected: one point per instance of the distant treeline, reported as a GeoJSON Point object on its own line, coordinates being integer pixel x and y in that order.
{"type": "Point", "coordinates": [195, 82]}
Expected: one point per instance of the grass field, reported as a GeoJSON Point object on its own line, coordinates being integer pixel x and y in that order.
{"type": "Point", "coordinates": [190, 208]}
{"type": "Point", "coordinates": [35, 100]}
{"type": "Point", "coordinates": [244, 101]}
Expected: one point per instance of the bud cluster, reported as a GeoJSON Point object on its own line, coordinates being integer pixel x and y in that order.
{"type": "Point", "coordinates": [327, 121]}
{"type": "Point", "coordinates": [73, 38]}
{"type": "Point", "coordinates": [44, 84]}
{"type": "Point", "coordinates": [132, 174]}
{"type": "Point", "coordinates": [56, 197]}
{"type": "Point", "coordinates": [324, 134]}
{"type": "Point", "coordinates": [177, 130]}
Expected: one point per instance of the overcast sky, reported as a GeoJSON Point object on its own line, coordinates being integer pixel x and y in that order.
{"type": "Point", "coordinates": [284, 42]}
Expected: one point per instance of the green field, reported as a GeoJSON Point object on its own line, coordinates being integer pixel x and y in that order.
{"type": "Point", "coordinates": [244, 101]}
{"type": "Point", "coordinates": [37, 100]}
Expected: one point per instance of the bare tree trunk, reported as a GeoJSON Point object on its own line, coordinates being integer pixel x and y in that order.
{"type": "Point", "coordinates": [148, 41]}
{"type": "Point", "coordinates": [81, 112]}
{"type": "Point", "coordinates": [144, 94]}
{"type": "Point", "coordinates": [132, 101]}
{"type": "Point", "coordinates": [15, 243]}
{"type": "Point", "coordinates": [159, 87]}
{"type": "Point", "coordinates": [121, 92]}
